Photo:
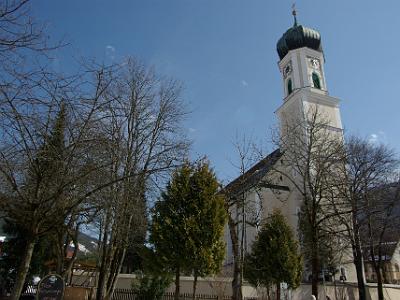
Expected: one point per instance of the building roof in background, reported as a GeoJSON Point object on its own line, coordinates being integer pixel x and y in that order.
{"type": "Point", "coordinates": [387, 251]}
{"type": "Point", "coordinates": [253, 177]}
{"type": "Point", "coordinates": [388, 196]}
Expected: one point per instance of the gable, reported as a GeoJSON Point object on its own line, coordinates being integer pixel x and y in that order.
{"type": "Point", "coordinates": [254, 176]}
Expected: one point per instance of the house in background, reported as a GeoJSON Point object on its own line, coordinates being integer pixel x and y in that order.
{"type": "Point", "coordinates": [390, 257]}
{"type": "Point", "coordinates": [389, 197]}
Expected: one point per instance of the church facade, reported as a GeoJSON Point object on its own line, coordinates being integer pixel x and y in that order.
{"type": "Point", "coordinates": [263, 188]}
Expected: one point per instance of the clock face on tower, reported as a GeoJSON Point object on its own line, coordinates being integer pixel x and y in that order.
{"type": "Point", "coordinates": [314, 63]}
{"type": "Point", "coordinates": [287, 70]}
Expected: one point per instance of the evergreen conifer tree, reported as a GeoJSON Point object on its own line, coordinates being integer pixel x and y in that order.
{"type": "Point", "coordinates": [209, 220]}
{"type": "Point", "coordinates": [274, 256]}
{"type": "Point", "coordinates": [188, 223]}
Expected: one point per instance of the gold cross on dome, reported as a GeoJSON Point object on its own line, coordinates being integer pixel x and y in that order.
{"type": "Point", "coordinates": [294, 13]}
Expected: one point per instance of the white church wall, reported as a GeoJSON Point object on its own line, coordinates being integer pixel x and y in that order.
{"type": "Point", "coordinates": [327, 113]}
{"type": "Point", "coordinates": [289, 203]}
{"type": "Point", "coordinates": [252, 212]}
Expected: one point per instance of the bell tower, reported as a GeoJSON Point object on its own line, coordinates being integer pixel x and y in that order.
{"type": "Point", "coordinates": [303, 78]}
{"type": "Point", "coordinates": [306, 100]}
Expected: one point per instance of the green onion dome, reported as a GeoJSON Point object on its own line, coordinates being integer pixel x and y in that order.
{"type": "Point", "coordinates": [297, 37]}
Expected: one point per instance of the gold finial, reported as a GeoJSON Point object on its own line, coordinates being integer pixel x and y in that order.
{"type": "Point", "coordinates": [294, 13]}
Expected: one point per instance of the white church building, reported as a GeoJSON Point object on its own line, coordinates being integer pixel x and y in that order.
{"type": "Point", "coordinates": [301, 64]}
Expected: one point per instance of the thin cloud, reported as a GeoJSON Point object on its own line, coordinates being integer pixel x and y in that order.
{"type": "Point", "coordinates": [110, 52]}
{"type": "Point", "coordinates": [379, 137]}
{"type": "Point", "coordinates": [244, 83]}
{"type": "Point", "coordinates": [373, 138]}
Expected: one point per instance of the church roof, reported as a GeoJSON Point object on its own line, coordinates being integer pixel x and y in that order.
{"type": "Point", "coordinates": [254, 175]}
{"type": "Point", "coordinates": [297, 37]}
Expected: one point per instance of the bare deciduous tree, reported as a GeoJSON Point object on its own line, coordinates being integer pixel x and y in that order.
{"type": "Point", "coordinates": [365, 201]}
{"type": "Point", "coordinates": [143, 126]}
{"type": "Point", "coordinates": [310, 150]}
{"type": "Point", "coordinates": [382, 225]}
{"type": "Point", "coordinates": [19, 30]}
{"type": "Point", "coordinates": [244, 212]}
{"type": "Point", "coordinates": [47, 124]}
{"type": "Point", "coordinates": [43, 187]}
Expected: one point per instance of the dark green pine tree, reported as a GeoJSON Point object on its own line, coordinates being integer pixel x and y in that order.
{"type": "Point", "coordinates": [274, 256]}
{"type": "Point", "coordinates": [188, 223]}
{"type": "Point", "coordinates": [169, 229]}
{"type": "Point", "coordinates": [48, 170]}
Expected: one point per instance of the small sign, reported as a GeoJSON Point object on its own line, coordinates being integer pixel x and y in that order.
{"type": "Point", "coordinates": [51, 287]}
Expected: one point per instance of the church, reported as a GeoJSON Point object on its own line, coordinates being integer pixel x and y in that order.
{"type": "Point", "coordinates": [271, 183]}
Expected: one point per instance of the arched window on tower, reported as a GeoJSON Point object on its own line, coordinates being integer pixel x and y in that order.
{"type": "Point", "coordinates": [316, 81]}
{"type": "Point", "coordinates": [289, 87]}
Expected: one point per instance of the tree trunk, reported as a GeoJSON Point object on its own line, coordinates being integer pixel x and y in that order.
{"type": "Point", "coordinates": [376, 264]}
{"type": "Point", "coordinates": [236, 287]}
{"type": "Point", "coordinates": [104, 273]}
{"type": "Point", "coordinates": [278, 291]}
{"type": "Point", "coordinates": [23, 269]}
{"type": "Point", "coordinates": [357, 255]}
{"type": "Point", "coordinates": [61, 249]}
{"type": "Point", "coordinates": [104, 249]}
{"type": "Point", "coordinates": [236, 282]}
{"type": "Point", "coordinates": [67, 272]}
{"type": "Point", "coordinates": [101, 281]}
{"type": "Point", "coordinates": [177, 286]}
{"type": "Point", "coordinates": [379, 280]}
{"type": "Point", "coordinates": [117, 261]}
{"type": "Point", "coordinates": [194, 285]}
{"type": "Point", "coordinates": [315, 271]}
{"type": "Point", "coordinates": [116, 269]}
{"type": "Point", "coordinates": [268, 292]}
{"type": "Point", "coordinates": [242, 238]}
{"type": "Point", "coordinates": [358, 262]}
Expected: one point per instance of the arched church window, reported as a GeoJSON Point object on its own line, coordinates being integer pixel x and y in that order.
{"type": "Point", "coordinates": [289, 87]}
{"type": "Point", "coordinates": [316, 81]}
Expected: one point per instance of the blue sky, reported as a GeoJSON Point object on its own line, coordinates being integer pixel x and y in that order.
{"type": "Point", "coordinates": [224, 51]}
